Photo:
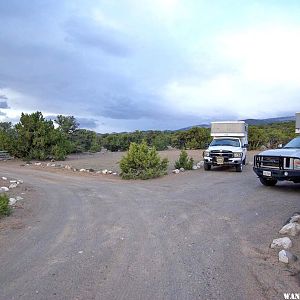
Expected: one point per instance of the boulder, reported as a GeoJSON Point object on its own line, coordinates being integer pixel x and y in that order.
{"type": "Point", "coordinates": [13, 185]}
{"type": "Point", "coordinates": [104, 172]}
{"type": "Point", "coordinates": [12, 201]}
{"type": "Point", "coordinates": [110, 172]}
{"type": "Point", "coordinates": [53, 165]}
{"type": "Point", "coordinates": [4, 189]}
{"type": "Point", "coordinates": [20, 181]}
{"type": "Point", "coordinates": [13, 181]}
{"type": "Point", "coordinates": [82, 170]}
{"type": "Point", "coordinates": [195, 168]}
{"type": "Point", "coordinates": [292, 229]}
{"type": "Point", "coordinates": [294, 219]}
{"type": "Point", "coordinates": [284, 243]}
{"type": "Point", "coordinates": [176, 171]}
{"type": "Point", "coordinates": [37, 164]}
{"type": "Point", "coordinates": [115, 173]}
{"type": "Point", "coordinates": [286, 257]}
{"type": "Point", "coordinates": [4, 178]}
{"type": "Point", "coordinates": [181, 169]}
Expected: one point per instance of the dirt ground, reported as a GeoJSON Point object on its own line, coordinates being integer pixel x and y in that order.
{"type": "Point", "coordinates": [195, 235]}
{"type": "Point", "coordinates": [110, 160]}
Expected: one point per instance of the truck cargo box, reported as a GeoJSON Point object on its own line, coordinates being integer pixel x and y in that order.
{"type": "Point", "coordinates": [297, 122]}
{"type": "Point", "coordinates": [229, 128]}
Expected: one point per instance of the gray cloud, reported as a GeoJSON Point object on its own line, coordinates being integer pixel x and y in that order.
{"type": "Point", "coordinates": [88, 33]}
{"type": "Point", "coordinates": [3, 104]}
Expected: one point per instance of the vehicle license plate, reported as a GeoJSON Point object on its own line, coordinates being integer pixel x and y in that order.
{"type": "Point", "coordinates": [267, 173]}
{"type": "Point", "coordinates": [220, 160]}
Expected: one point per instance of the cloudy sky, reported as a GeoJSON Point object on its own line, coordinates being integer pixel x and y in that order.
{"type": "Point", "coordinates": [121, 65]}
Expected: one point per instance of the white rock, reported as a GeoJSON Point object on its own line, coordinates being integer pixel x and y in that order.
{"type": "Point", "coordinates": [176, 171]}
{"type": "Point", "coordinates": [104, 172]}
{"type": "Point", "coordinates": [98, 172]}
{"type": "Point", "coordinates": [181, 169]}
{"type": "Point", "coordinates": [48, 164]}
{"type": "Point", "coordinates": [294, 219]}
{"type": "Point", "coordinates": [4, 189]}
{"type": "Point", "coordinates": [13, 185]}
{"type": "Point", "coordinates": [284, 243]}
{"type": "Point", "coordinates": [18, 198]}
{"type": "Point", "coordinates": [20, 181]}
{"type": "Point", "coordinates": [292, 229]}
{"type": "Point", "coordinates": [115, 173]}
{"type": "Point", "coordinates": [82, 170]}
{"type": "Point", "coordinates": [110, 172]}
{"type": "Point", "coordinates": [200, 163]}
{"type": "Point", "coordinates": [4, 178]}
{"type": "Point", "coordinates": [13, 181]}
{"type": "Point", "coordinates": [37, 164]}
{"type": "Point", "coordinates": [67, 167]}
{"type": "Point", "coordinates": [53, 165]}
{"type": "Point", "coordinates": [286, 257]}
{"type": "Point", "coordinates": [12, 201]}
{"type": "Point", "coordinates": [195, 168]}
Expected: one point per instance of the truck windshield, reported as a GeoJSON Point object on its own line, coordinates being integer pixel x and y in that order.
{"type": "Point", "coordinates": [226, 142]}
{"type": "Point", "coordinates": [295, 143]}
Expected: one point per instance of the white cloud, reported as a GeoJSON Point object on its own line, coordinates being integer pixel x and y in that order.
{"type": "Point", "coordinates": [262, 78]}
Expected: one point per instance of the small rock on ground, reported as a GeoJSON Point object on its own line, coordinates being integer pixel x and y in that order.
{"type": "Point", "coordinates": [286, 257]}
{"type": "Point", "coordinates": [292, 229]}
{"type": "Point", "coordinates": [284, 243]}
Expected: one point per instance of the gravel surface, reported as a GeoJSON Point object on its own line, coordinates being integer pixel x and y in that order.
{"type": "Point", "coordinates": [195, 235]}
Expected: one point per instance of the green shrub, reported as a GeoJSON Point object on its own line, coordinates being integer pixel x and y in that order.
{"type": "Point", "coordinates": [142, 162]}
{"type": "Point", "coordinates": [184, 161]}
{"type": "Point", "coordinates": [4, 207]}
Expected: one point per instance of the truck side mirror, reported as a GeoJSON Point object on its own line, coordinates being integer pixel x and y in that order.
{"type": "Point", "coordinates": [246, 146]}
{"type": "Point", "coordinates": [280, 146]}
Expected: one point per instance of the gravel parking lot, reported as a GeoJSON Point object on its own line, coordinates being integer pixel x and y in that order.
{"type": "Point", "coordinates": [194, 235]}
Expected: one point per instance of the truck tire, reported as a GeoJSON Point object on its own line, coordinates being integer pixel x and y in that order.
{"type": "Point", "coordinates": [207, 167]}
{"type": "Point", "coordinates": [267, 182]}
{"type": "Point", "coordinates": [239, 168]}
{"type": "Point", "coordinates": [244, 161]}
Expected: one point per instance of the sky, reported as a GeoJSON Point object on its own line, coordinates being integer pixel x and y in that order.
{"type": "Point", "coordinates": [125, 65]}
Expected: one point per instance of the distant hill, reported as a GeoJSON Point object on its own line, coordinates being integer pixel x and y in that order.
{"type": "Point", "coordinates": [269, 120]}
{"type": "Point", "coordinates": [251, 122]}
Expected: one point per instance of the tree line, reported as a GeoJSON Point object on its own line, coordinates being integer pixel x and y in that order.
{"type": "Point", "coordinates": [35, 137]}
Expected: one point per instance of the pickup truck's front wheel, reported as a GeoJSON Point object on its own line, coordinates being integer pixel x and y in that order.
{"type": "Point", "coordinates": [207, 166]}
{"type": "Point", "coordinates": [239, 168]}
{"type": "Point", "coordinates": [268, 182]}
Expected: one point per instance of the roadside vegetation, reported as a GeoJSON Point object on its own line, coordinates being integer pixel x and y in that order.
{"type": "Point", "coordinates": [5, 209]}
{"type": "Point", "coordinates": [35, 137]}
{"type": "Point", "coordinates": [142, 162]}
{"type": "Point", "coordinates": [184, 161]}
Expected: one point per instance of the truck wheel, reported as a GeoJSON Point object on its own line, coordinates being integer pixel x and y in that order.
{"type": "Point", "coordinates": [244, 161]}
{"type": "Point", "coordinates": [267, 182]}
{"type": "Point", "coordinates": [207, 167]}
{"type": "Point", "coordinates": [239, 168]}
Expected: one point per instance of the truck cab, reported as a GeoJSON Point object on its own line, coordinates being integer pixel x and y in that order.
{"type": "Point", "coordinates": [282, 164]}
{"type": "Point", "coordinates": [229, 145]}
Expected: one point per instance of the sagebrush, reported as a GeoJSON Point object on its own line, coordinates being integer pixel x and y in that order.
{"type": "Point", "coordinates": [184, 161]}
{"type": "Point", "coordinates": [142, 162]}
{"type": "Point", "coordinates": [4, 205]}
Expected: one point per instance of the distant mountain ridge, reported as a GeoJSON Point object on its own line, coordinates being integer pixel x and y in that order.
{"type": "Point", "coordinates": [252, 122]}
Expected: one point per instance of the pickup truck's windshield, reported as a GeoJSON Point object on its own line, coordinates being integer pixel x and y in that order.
{"type": "Point", "coordinates": [295, 143]}
{"type": "Point", "coordinates": [226, 142]}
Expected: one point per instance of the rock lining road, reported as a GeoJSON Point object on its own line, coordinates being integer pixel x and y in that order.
{"type": "Point", "coordinates": [196, 235]}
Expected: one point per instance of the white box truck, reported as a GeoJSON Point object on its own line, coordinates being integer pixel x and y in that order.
{"type": "Point", "coordinates": [229, 145]}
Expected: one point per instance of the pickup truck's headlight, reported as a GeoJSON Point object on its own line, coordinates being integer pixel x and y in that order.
{"type": "Point", "coordinates": [297, 164]}
{"type": "Point", "coordinates": [237, 154]}
{"type": "Point", "coordinates": [206, 153]}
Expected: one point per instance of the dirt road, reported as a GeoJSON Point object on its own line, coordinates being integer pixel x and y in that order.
{"type": "Point", "coordinates": [196, 235]}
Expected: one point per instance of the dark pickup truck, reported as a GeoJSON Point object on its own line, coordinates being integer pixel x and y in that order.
{"type": "Point", "coordinates": [281, 164]}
